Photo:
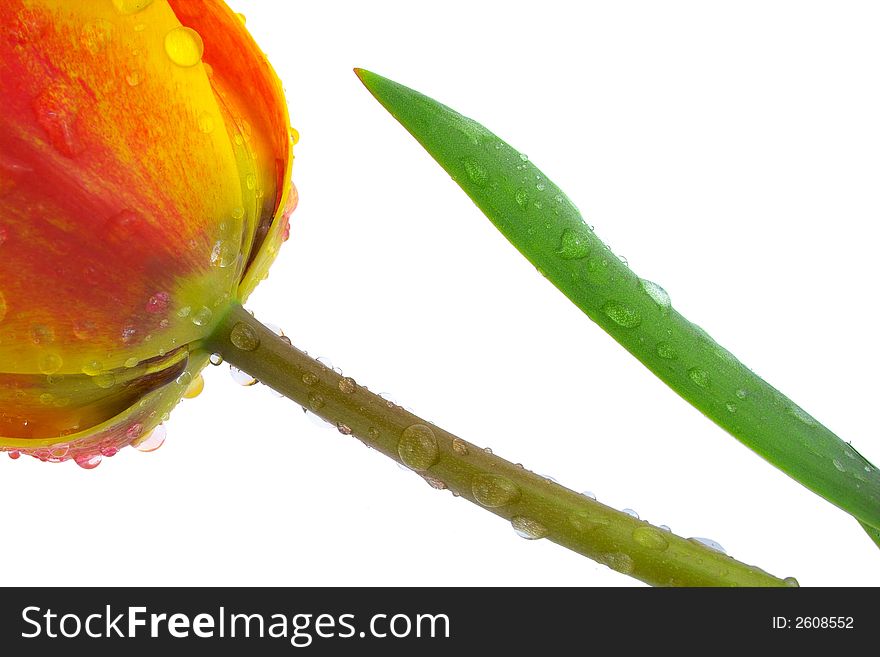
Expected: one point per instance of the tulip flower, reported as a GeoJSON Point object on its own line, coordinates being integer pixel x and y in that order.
{"type": "Point", "coordinates": [145, 155]}
{"type": "Point", "coordinates": [145, 159]}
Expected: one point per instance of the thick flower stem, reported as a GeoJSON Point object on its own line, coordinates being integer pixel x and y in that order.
{"type": "Point", "coordinates": [537, 507]}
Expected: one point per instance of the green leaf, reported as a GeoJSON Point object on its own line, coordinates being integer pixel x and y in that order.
{"type": "Point", "coordinates": [546, 227]}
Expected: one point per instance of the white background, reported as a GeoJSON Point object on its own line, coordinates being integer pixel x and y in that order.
{"type": "Point", "coordinates": [731, 151]}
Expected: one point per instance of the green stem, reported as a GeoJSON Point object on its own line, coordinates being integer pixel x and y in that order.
{"type": "Point", "coordinates": [534, 505]}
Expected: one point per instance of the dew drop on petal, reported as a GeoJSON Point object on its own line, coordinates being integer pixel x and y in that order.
{"type": "Point", "coordinates": [92, 368]}
{"type": "Point", "coordinates": [184, 46]}
{"type": "Point", "coordinates": [215, 359]}
{"type": "Point", "coordinates": [131, 6]}
{"type": "Point", "coordinates": [105, 380]}
{"type": "Point", "coordinates": [50, 363]}
{"type": "Point", "coordinates": [88, 461]}
{"type": "Point", "coordinates": [153, 440]}
{"type": "Point", "coordinates": [206, 123]}
{"type": "Point", "coordinates": [631, 512]}
{"type": "Point", "coordinates": [202, 316]}
{"type": "Point", "coordinates": [195, 387]}
{"type": "Point", "coordinates": [158, 303]}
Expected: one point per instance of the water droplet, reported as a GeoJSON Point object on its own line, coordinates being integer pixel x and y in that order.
{"type": "Point", "coordinates": [105, 380]}
{"type": "Point", "coordinates": [92, 368]}
{"type": "Point", "coordinates": [658, 295]}
{"type": "Point", "coordinates": [574, 244]}
{"type": "Point", "coordinates": [347, 385]}
{"type": "Point", "coordinates": [309, 378]}
{"type": "Point", "coordinates": [128, 334]}
{"type": "Point", "coordinates": [589, 494]}
{"type": "Point", "coordinates": [476, 172]}
{"type": "Point", "coordinates": [130, 6]}
{"type": "Point", "coordinates": [223, 254]}
{"type": "Point", "coordinates": [418, 447]}
{"type": "Point", "coordinates": [14, 454]}
{"type": "Point", "coordinates": [50, 363]}
{"type": "Point", "coordinates": [195, 388]}
{"type": "Point", "coordinates": [528, 529]}
{"type": "Point", "coordinates": [524, 157]}
{"type": "Point", "coordinates": [244, 337]}
{"type": "Point", "coordinates": [184, 312]}
{"type": "Point", "coordinates": [540, 187]}
{"type": "Point", "coordinates": [622, 314]}
{"type": "Point", "coordinates": [631, 512]}
{"type": "Point", "coordinates": [460, 447]}
{"type": "Point", "coordinates": [699, 376]}
{"type": "Point", "coordinates": [522, 198]}
{"type": "Point", "coordinates": [202, 316]}
{"type": "Point", "coordinates": [588, 521]}
{"type": "Point", "coordinates": [742, 393]}
{"type": "Point", "coordinates": [666, 350]}
{"type": "Point", "coordinates": [493, 491]}
{"type": "Point", "coordinates": [158, 303]}
{"type": "Point", "coordinates": [184, 46]}
{"type": "Point", "coordinates": [709, 543]}
{"type": "Point", "coordinates": [803, 416]}
{"type": "Point", "coordinates": [650, 538]}
{"type": "Point", "coordinates": [133, 78]}
{"type": "Point", "coordinates": [294, 135]}
{"type": "Point", "coordinates": [241, 378]}
{"type": "Point", "coordinates": [153, 440]}
{"type": "Point", "coordinates": [666, 528]}
{"type": "Point", "coordinates": [316, 401]}
{"type": "Point", "coordinates": [206, 123]}
{"type": "Point", "coordinates": [88, 461]}
{"type": "Point", "coordinates": [838, 465]}
{"type": "Point", "coordinates": [619, 561]}
{"type": "Point", "coordinates": [42, 334]}
{"type": "Point", "coordinates": [731, 407]}
{"type": "Point", "coordinates": [46, 399]}
{"type": "Point", "coordinates": [215, 359]}
{"type": "Point", "coordinates": [344, 429]}
{"type": "Point", "coordinates": [488, 450]}
{"type": "Point", "coordinates": [373, 433]}
{"type": "Point", "coordinates": [434, 483]}
{"type": "Point", "coordinates": [251, 181]}
{"type": "Point", "coordinates": [791, 581]}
